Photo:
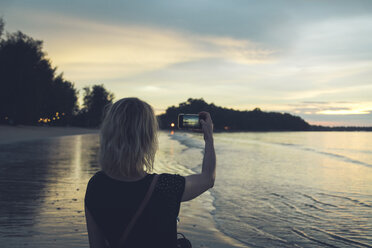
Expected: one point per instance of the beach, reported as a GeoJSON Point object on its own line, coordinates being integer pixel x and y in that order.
{"type": "Point", "coordinates": [273, 189]}
{"type": "Point", "coordinates": [44, 172]}
{"type": "Point", "coordinates": [11, 134]}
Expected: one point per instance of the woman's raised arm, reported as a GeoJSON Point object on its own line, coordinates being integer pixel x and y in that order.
{"type": "Point", "coordinates": [197, 184]}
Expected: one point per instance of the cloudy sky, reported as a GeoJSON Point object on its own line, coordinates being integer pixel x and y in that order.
{"type": "Point", "coordinates": [311, 58]}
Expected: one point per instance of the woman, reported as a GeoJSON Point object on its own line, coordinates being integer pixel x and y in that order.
{"type": "Point", "coordinates": [128, 142]}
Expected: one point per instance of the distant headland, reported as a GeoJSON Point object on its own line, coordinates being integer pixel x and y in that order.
{"type": "Point", "coordinates": [225, 119]}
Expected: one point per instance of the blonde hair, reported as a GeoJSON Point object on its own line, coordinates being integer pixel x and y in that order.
{"type": "Point", "coordinates": [128, 138]}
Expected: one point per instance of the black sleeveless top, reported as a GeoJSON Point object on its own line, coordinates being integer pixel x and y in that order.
{"type": "Point", "coordinates": [112, 203]}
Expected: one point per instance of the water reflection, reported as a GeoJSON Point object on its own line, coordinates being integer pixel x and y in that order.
{"type": "Point", "coordinates": [76, 165]}
{"type": "Point", "coordinates": [42, 187]}
{"type": "Point", "coordinates": [22, 183]}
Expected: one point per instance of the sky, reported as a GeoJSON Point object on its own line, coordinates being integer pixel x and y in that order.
{"type": "Point", "coordinates": [311, 58]}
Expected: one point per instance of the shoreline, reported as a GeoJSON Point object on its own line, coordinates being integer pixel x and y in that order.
{"type": "Point", "coordinates": [196, 220]}
{"type": "Point", "coordinates": [21, 133]}
{"type": "Point", "coordinates": [199, 226]}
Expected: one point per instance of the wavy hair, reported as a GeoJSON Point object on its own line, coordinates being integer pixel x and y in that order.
{"type": "Point", "coordinates": [128, 138]}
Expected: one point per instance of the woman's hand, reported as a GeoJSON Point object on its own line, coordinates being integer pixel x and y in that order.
{"type": "Point", "coordinates": [207, 125]}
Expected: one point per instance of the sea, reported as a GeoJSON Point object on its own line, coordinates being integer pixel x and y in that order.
{"type": "Point", "coordinates": [272, 189]}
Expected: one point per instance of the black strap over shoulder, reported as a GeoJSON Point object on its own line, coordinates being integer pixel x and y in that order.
{"type": "Point", "coordinates": [148, 195]}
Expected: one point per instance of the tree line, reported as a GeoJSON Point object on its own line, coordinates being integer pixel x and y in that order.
{"type": "Point", "coordinates": [225, 119]}
{"type": "Point", "coordinates": [31, 91]}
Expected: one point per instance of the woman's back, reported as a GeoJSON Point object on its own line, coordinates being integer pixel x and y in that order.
{"type": "Point", "coordinates": [112, 203]}
{"type": "Point", "coordinates": [128, 143]}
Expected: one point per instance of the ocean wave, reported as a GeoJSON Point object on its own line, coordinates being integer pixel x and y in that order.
{"type": "Point", "coordinates": [353, 150]}
{"type": "Point", "coordinates": [318, 201]}
{"type": "Point", "coordinates": [301, 212]}
{"type": "Point", "coordinates": [307, 236]}
{"type": "Point", "coordinates": [358, 202]}
{"type": "Point", "coordinates": [187, 140]}
{"type": "Point", "coordinates": [341, 238]}
{"type": "Point", "coordinates": [329, 154]}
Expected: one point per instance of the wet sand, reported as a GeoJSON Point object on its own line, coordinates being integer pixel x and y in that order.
{"type": "Point", "coordinates": [197, 224]}
{"type": "Point", "coordinates": [42, 186]}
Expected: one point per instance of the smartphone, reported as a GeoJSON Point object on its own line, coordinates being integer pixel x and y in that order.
{"type": "Point", "coordinates": [189, 121]}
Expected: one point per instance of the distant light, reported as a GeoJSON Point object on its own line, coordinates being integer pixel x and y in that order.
{"type": "Point", "coordinates": [172, 124]}
{"type": "Point", "coordinates": [54, 118]}
{"type": "Point", "coordinates": [6, 118]}
{"type": "Point", "coordinates": [57, 113]}
{"type": "Point", "coordinates": [226, 128]}
{"type": "Point", "coordinates": [63, 113]}
{"type": "Point", "coordinates": [58, 117]}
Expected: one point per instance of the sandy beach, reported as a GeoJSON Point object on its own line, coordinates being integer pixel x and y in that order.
{"type": "Point", "coordinates": [61, 187]}
{"type": "Point", "coordinates": [11, 134]}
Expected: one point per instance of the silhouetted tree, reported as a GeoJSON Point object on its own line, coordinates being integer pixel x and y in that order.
{"type": "Point", "coordinates": [29, 89]}
{"type": "Point", "coordinates": [95, 100]}
{"type": "Point", "coordinates": [25, 78]}
{"type": "Point", "coordinates": [64, 99]}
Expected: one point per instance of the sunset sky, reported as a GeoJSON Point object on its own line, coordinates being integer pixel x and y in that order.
{"type": "Point", "coordinates": [311, 58]}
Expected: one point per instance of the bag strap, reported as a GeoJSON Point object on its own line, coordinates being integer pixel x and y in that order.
{"type": "Point", "coordinates": [124, 237]}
